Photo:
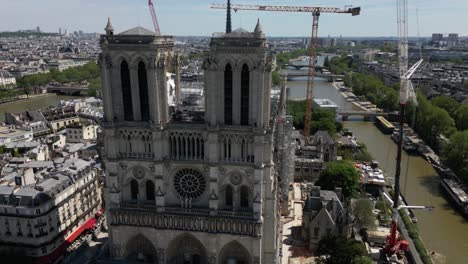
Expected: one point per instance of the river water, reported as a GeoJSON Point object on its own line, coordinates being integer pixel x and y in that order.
{"type": "Point", "coordinates": [442, 229]}
{"type": "Point", "coordinates": [32, 104]}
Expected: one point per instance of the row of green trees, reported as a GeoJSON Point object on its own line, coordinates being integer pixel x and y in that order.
{"type": "Point", "coordinates": [322, 119]}
{"type": "Point", "coordinates": [366, 85]}
{"type": "Point", "coordinates": [89, 72]}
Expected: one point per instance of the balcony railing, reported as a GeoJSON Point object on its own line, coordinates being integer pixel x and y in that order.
{"type": "Point", "coordinates": [192, 221]}
{"type": "Point", "coordinates": [189, 211]}
{"type": "Point", "coordinates": [136, 156]}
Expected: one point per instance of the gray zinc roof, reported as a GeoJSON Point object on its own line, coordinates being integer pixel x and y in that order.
{"type": "Point", "coordinates": [138, 31]}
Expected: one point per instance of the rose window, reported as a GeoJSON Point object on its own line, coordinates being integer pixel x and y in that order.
{"type": "Point", "coordinates": [189, 183]}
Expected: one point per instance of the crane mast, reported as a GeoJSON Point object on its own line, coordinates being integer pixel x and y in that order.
{"type": "Point", "coordinates": [154, 17]}
{"type": "Point", "coordinates": [394, 243]}
{"type": "Point", "coordinates": [315, 11]}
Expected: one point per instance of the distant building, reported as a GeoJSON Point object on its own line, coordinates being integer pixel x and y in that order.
{"type": "Point", "coordinates": [326, 104]}
{"type": "Point", "coordinates": [41, 215]}
{"type": "Point", "coordinates": [453, 37]}
{"type": "Point", "coordinates": [437, 37]}
{"type": "Point", "coordinates": [323, 214]}
{"type": "Point", "coordinates": [61, 65]}
{"type": "Point", "coordinates": [452, 40]}
{"type": "Point", "coordinates": [6, 78]}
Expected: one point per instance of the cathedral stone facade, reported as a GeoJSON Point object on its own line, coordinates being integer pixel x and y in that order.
{"type": "Point", "coordinates": [189, 192]}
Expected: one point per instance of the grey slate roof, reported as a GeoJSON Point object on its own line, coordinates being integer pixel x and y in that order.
{"type": "Point", "coordinates": [138, 31]}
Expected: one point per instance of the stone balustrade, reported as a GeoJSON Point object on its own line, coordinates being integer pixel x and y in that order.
{"type": "Point", "coordinates": [198, 220]}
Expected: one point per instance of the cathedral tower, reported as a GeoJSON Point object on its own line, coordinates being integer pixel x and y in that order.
{"type": "Point", "coordinates": [189, 191]}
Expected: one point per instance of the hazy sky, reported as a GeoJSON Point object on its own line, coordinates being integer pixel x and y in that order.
{"type": "Point", "coordinates": [193, 17]}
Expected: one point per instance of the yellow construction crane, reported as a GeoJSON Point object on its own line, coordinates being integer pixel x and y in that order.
{"type": "Point", "coordinates": [315, 11]}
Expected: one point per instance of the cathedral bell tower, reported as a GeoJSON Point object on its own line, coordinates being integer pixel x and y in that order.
{"type": "Point", "coordinates": [238, 80]}
{"type": "Point", "coordinates": [133, 73]}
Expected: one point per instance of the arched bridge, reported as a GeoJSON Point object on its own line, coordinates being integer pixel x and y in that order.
{"type": "Point", "coordinates": [367, 115]}
{"type": "Point", "coordinates": [67, 90]}
{"type": "Point", "coordinates": [293, 74]}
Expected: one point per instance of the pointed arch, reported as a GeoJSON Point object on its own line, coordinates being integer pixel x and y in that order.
{"type": "Point", "coordinates": [245, 96]}
{"type": "Point", "coordinates": [234, 252]}
{"type": "Point", "coordinates": [244, 197]}
{"type": "Point", "coordinates": [139, 248]}
{"type": "Point", "coordinates": [143, 88]}
{"type": "Point", "coordinates": [186, 249]}
{"type": "Point", "coordinates": [126, 91]}
{"type": "Point", "coordinates": [134, 189]}
{"type": "Point", "coordinates": [228, 81]}
{"type": "Point", "coordinates": [150, 191]}
{"type": "Point", "coordinates": [229, 197]}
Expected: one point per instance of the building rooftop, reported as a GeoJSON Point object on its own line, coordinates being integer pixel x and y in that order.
{"type": "Point", "coordinates": [138, 31]}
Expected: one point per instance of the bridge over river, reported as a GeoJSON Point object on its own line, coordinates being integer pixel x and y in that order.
{"type": "Point", "coordinates": [67, 90]}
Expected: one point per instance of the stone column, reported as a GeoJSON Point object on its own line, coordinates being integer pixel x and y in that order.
{"type": "Point", "coordinates": [212, 147]}
{"type": "Point", "coordinates": [261, 99]}
{"type": "Point", "coordinates": [106, 69]}
{"type": "Point", "coordinates": [153, 94]}
{"type": "Point", "coordinates": [160, 190]}
{"type": "Point", "coordinates": [258, 193]}
{"type": "Point", "coordinates": [162, 89]}
{"type": "Point", "coordinates": [135, 92]}
{"type": "Point", "coordinates": [213, 173]}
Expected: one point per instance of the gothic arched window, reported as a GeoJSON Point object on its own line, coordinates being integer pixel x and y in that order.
{"type": "Point", "coordinates": [134, 189]}
{"type": "Point", "coordinates": [228, 95]}
{"type": "Point", "coordinates": [244, 197]}
{"type": "Point", "coordinates": [150, 191]}
{"type": "Point", "coordinates": [126, 91]}
{"type": "Point", "coordinates": [228, 196]}
{"type": "Point", "coordinates": [143, 87]}
{"type": "Point", "coordinates": [245, 83]}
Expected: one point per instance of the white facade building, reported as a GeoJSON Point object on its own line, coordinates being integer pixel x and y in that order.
{"type": "Point", "coordinates": [7, 79]}
{"type": "Point", "coordinates": [38, 215]}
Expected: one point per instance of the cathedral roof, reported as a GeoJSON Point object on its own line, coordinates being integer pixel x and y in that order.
{"type": "Point", "coordinates": [138, 31]}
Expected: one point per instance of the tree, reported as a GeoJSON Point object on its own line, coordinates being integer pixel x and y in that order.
{"type": "Point", "coordinates": [461, 117]}
{"type": "Point", "coordinates": [362, 260]}
{"type": "Point", "coordinates": [340, 174]}
{"type": "Point", "coordinates": [447, 103]}
{"type": "Point", "coordinates": [455, 154]}
{"type": "Point", "coordinates": [339, 250]}
{"type": "Point", "coordinates": [27, 90]}
{"type": "Point", "coordinates": [362, 210]}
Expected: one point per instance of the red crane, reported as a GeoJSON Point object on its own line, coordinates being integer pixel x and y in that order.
{"type": "Point", "coordinates": [155, 18]}
{"type": "Point", "coordinates": [315, 11]}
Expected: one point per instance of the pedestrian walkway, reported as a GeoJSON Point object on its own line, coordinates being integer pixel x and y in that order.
{"type": "Point", "coordinates": [293, 220]}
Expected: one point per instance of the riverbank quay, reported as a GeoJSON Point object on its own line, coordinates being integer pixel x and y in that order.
{"type": "Point", "coordinates": [456, 192]}
{"type": "Point", "coordinates": [25, 98]}
{"type": "Point", "coordinates": [375, 183]}
{"type": "Point", "coordinates": [348, 94]}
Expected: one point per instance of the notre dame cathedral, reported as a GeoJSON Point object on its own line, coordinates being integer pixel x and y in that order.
{"type": "Point", "coordinates": [190, 191]}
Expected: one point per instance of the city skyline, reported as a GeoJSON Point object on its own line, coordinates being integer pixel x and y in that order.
{"type": "Point", "coordinates": [189, 18]}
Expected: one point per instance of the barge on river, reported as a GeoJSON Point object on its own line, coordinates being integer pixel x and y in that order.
{"type": "Point", "coordinates": [456, 194]}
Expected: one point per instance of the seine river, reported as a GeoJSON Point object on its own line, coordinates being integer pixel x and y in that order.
{"type": "Point", "coordinates": [442, 229]}
{"type": "Point", "coordinates": [32, 104]}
